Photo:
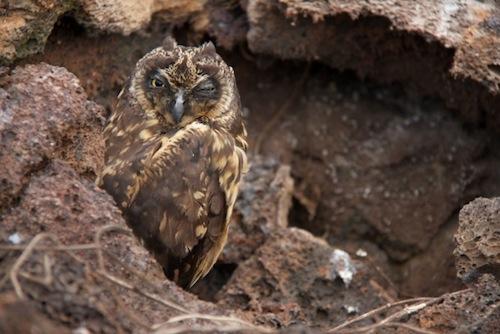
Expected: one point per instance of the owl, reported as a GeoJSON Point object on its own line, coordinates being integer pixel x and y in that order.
{"type": "Point", "coordinates": [175, 155]}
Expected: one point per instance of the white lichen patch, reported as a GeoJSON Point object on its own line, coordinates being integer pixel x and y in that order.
{"type": "Point", "coordinates": [15, 238]}
{"type": "Point", "coordinates": [342, 266]}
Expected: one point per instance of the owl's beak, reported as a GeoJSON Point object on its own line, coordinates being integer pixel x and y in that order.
{"type": "Point", "coordinates": [178, 110]}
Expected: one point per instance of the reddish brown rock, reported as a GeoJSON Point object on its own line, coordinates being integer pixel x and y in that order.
{"type": "Point", "coordinates": [450, 50]}
{"type": "Point", "coordinates": [478, 239]}
{"type": "Point", "coordinates": [392, 173]}
{"type": "Point", "coordinates": [45, 115]}
{"type": "Point", "coordinates": [366, 168]}
{"type": "Point", "coordinates": [470, 311]}
{"type": "Point", "coordinates": [78, 293]}
{"type": "Point", "coordinates": [58, 201]}
{"type": "Point", "coordinates": [224, 21]}
{"type": "Point", "coordinates": [295, 277]}
{"type": "Point", "coordinates": [129, 16]}
{"type": "Point", "coordinates": [21, 317]}
{"type": "Point", "coordinates": [262, 207]}
{"type": "Point", "coordinates": [25, 26]}
{"type": "Point", "coordinates": [432, 272]}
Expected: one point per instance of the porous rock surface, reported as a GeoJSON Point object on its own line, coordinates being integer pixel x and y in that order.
{"type": "Point", "coordinates": [21, 317]}
{"type": "Point", "coordinates": [469, 26]}
{"type": "Point", "coordinates": [446, 48]}
{"type": "Point", "coordinates": [45, 114]}
{"type": "Point", "coordinates": [74, 211]}
{"type": "Point", "coordinates": [432, 272]}
{"type": "Point", "coordinates": [393, 172]}
{"type": "Point", "coordinates": [296, 278]}
{"type": "Point", "coordinates": [56, 200]}
{"type": "Point", "coordinates": [474, 310]}
{"type": "Point", "coordinates": [128, 16]}
{"type": "Point", "coordinates": [25, 26]}
{"type": "Point", "coordinates": [262, 207]}
{"type": "Point", "coordinates": [284, 276]}
{"type": "Point", "coordinates": [478, 239]}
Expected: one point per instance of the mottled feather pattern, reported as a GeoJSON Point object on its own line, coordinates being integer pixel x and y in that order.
{"type": "Point", "coordinates": [176, 183]}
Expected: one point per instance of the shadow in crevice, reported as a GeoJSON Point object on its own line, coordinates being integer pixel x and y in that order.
{"type": "Point", "coordinates": [207, 288]}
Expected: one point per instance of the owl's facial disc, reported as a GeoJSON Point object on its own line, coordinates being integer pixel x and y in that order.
{"type": "Point", "coordinates": [179, 102]}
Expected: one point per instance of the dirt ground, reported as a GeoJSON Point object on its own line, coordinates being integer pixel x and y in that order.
{"type": "Point", "coordinates": [373, 160]}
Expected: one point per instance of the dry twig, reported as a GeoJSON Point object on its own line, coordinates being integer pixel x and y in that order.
{"type": "Point", "coordinates": [223, 319]}
{"type": "Point", "coordinates": [393, 320]}
{"type": "Point", "coordinates": [375, 311]}
{"type": "Point", "coordinates": [203, 329]}
{"type": "Point", "coordinates": [14, 271]}
{"type": "Point", "coordinates": [409, 327]}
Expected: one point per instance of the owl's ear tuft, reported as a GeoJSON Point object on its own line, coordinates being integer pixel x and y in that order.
{"type": "Point", "coordinates": [208, 49]}
{"type": "Point", "coordinates": [169, 43]}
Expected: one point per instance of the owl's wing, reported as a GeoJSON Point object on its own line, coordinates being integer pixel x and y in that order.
{"type": "Point", "coordinates": [185, 194]}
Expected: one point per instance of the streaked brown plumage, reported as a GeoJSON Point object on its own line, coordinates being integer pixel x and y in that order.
{"type": "Point", "coordinates": [175, 154]}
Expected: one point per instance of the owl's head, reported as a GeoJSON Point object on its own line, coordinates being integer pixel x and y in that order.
{"type": "Point", "coordinates": [178, 85]}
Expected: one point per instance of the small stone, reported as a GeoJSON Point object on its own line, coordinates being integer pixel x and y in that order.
{"type": "Point", "coordinates": [361, 253]}
{"type": "Point", "coordinates": [351, 309]}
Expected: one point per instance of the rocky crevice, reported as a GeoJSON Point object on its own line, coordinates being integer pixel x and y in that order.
{"type": "Point", "coordinates": [371, 153]}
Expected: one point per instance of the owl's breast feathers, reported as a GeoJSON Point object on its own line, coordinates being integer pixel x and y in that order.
{"type": "Point", "coordinates": [178, 193]}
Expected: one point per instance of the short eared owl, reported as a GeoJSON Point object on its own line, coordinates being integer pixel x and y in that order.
{"type": "Point", "coordinates": [175, 155]}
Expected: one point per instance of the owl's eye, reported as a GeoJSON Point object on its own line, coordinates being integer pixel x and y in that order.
{"type": "Point", "coordinates": [157, 83]}
{"type": "Point", "coordinates": [206, 89]}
